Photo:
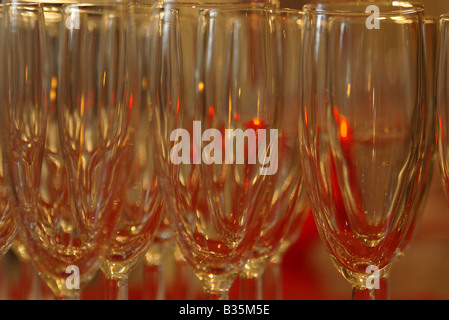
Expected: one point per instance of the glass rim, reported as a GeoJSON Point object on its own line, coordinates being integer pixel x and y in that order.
{"type": "Point", "coordinates": [45, 2]}
{"type": "Point", "coordinates": [346, 9]}
{"type": "Point", "coordinates": [145, 6]}
{"type": "Point", "coordinates": [240, 10]}
{"type": "Point", "coordinates": [33, 8]}
{"type": "Point", "coordinates": [28, 5]}
{"type": "Point", "coordinates": [218, 4]}
{"type": "Point", "coordinates": [431, 19]}
{"type": "Point", "coordinates": [289, 11]}
{"type": "Point", "coordinates": [145, 9]}
{"type": "Point", "coordinates": [94, 7]}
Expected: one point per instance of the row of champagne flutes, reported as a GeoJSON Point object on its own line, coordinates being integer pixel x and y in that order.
{"type": "Point", "coordinates": [87, 106]}
{"type": "Point", "coordinates": [124, 112]}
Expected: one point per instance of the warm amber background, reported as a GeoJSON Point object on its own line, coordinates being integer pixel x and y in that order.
{"type": "Point", "coordinates": [422, 273]}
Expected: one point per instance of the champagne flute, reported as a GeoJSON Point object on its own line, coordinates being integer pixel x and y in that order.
{"type": "Point", "coordinates": [24, 88]}
{"type": "Point", "coordinates": [142, 207]}
{"type": "Point", "coordinates": [363, 132]}
{"type": "Point", "coordinates": [216, 237]}
{"type": "Point", "coordinates": [190, 11]}
{"type": "Point", "coordinates": [97, 122]}
{"type": "Point", "coordinates": [169, 16]}
{"type": "Point", "coordinates": [288, 207]}
{"type": "Point", "coordinates": [164, 245]}
{"type": "Point", "coordinates": [188, 14]}
{"type": "Point", "coordinates": [52, 25]}
{"type": "Point", "coordinates": [69, 197]}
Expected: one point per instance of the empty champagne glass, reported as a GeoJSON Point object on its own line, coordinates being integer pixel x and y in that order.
{"type": "Point", "coordinates": [288, 207]}
{"type": "Point", "coordinates": [142, 204]}
{"type": "Point", "coordinates": [52, 26]}
{"type": "Point", "coordinates": [188, 14]}
{"type": "Point", "coordinates": [24, 99]}
{"type": "Point", "coordinates": [97, 121]}
{"type": "Point", "coordinates": [363, 131]}
{"type": "Point", "coordinates": [70, 194]}
{"type": "Point", "coordinates": [234, 92]}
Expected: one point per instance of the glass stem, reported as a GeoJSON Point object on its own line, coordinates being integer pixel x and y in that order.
{"type": "Point", "coordinates": [117, 289]}
{"type": "Point", "coordinates": [250, 288]}
{"type": "Point", "coordinates": [276, 279]}
{"type": "Point", "coordinates": [216, 295]}
{"type": "Point", "coordinates": [74, 296]}
{"type": "Point", "coordinates": [216, 287]}
{"type": "Point", "coordinates": [363, 294]}
{"type": "Point", "coordinates": [35, 291]}
{"type": "Point", "coordinates": [30, 282]}
{"type": "Point", "coordinates": [154, 282]}
{"type": "Point", "coordinates": [384, 291]}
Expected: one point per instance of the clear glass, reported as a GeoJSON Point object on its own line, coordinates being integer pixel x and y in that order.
{"type": "Point", "coordinates": [216, 209]}
{"type": "Point", "coordinates": [24, 89]}
{"type": "Point", "coordinates": [68, 186]}
{"type": "Point", "coordinates": [289, 206]}
{"type": "Point", "coordinates": [97, 122]}
{"type": "Point", "coordinates": [212, 3]}
{"type": "Point", "coordinates": [363, 130]}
